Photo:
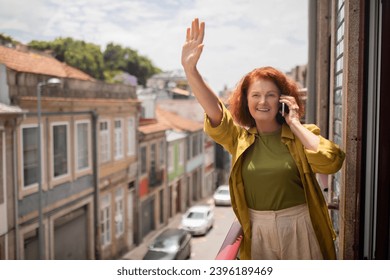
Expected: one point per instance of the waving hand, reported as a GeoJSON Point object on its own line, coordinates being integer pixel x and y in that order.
{"type": "Point", "coordinates": [193, 45]}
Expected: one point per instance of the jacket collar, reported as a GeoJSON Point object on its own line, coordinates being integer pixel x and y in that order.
{"type": "Point", "coordinates": [286, 131]}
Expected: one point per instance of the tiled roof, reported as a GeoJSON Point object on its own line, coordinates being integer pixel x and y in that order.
{"type": "Point", "coordinates": [30, 62]}
{"type": "Point", "coordinates": [6, 109]}
{"type": "Point", "coordinates": [177, 122]}
{"type": "Point", "coordinates": [148, 126]}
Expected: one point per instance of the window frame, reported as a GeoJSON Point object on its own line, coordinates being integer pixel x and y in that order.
{"type": "Point", "coordinates": [118, 139]}
{"type": "Point", "coordinates": [119, 207]}
{"type": "Point", "coordinates": [76, 145]}
{"type": "Point", "coordinates": [32, 187]}
{"type": "Point", "coordinates": [106, 133]}
{"type": "Point", "coordinates": [68, 152]}
{"type": "Point", "coordinates": [105, 221]}
{"type": "Point", "coordinates": [131, 136]}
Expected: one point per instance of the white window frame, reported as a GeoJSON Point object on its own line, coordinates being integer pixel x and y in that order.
{"type": "Point", "coordinates": [107, 150]}
{"type": "Point", "coordinates": [52, 125]}
{"type": "Point", "coordinates": [89, 148]}
{"type": "Point", "coordinates": [131, 136]}
{"type": "Point", "coordinates": [105, 220]}
{"type": "Point", "coordinates": [118, 139]}
{"type": "Point", "coordinates": [119, 212]}
{"type": "Point", "coordinates": [34, 185]}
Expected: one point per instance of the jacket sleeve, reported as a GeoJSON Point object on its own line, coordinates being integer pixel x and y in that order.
{"type": "Point", "coordinates": [328, 158]}
{"type": "Point", "coordinates": [226, 133]}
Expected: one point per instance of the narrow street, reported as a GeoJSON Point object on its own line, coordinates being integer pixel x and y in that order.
{"type": "Point", "coordinates": [203, 247]}
{"type": "Point", "coordinates": [206, 247]}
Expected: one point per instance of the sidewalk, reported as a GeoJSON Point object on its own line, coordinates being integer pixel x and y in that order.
{"type": "Point", "coordinates": [139, 252]}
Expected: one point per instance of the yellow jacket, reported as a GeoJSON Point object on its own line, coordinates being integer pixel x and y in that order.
{"type": "Point", "coordinates": [327, 160]}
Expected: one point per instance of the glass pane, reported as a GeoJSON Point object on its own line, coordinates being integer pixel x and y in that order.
{"type": "Point", "coordinates": [30, 155]}
{"type": "Point", "coordinates": [82, 146]}
{"type": "Point", "coordinates": [60, 150]}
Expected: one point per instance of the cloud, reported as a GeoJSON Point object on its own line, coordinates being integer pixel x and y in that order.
{"type": "Point", "coordinates": [240, 34]}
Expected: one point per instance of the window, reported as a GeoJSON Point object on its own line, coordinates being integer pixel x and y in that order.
{"type": "Point", "coordinates": [143, 160]}
{"type": "Point", "coordinates": [118, 132]}
{"type": "Point", "coordinates": [181, 153]}
{"type": "Point", "coordinates": [201, 142]}
{"type": "Point", "coordinates": [162, 154]}
{"type": "Point", "coordinates": [153, 158]}
{"type": "Point", "coordinates": [30, 155]}
{"type": "Point", "coordinates": [104, 144]}
{"type": "Point", "coordinates": [60, 149]}
{"type": "Point", "coordinates": [194, 145]}
{"type": "Point", "coordinates": [105, 220]}
{"type": "Point", "coordinates": [82, 145]}
{"type": "Point", "coordinates": [119, 213]}
{"type": "Point", "coordinates": [131, 139]}
{"type": "Point", "coordinates": [171, 159]}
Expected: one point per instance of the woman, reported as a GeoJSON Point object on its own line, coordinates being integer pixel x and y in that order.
{"type": "Point", "coordinates": [274, 192]}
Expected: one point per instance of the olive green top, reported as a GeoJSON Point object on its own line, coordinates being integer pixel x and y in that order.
{"type": "Point", "coordinates": [271, 177]}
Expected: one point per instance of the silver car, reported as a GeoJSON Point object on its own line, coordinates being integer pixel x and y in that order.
{"type": "Point", "coordinates": [222, 195]}
{"type": "Point", "coordinates": [198, 220]}
{"type": "Point", "coordinates": [171, 244]}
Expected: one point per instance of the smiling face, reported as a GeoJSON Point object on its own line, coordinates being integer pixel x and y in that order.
{"type": "Point", "coordinates": [263, 102]}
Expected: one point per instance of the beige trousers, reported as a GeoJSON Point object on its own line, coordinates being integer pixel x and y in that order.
{"type": "Point", "coordinates": [285, 234]}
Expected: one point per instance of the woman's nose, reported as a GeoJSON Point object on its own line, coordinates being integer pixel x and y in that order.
{"type": "Point", "coordinates": [261, 99]}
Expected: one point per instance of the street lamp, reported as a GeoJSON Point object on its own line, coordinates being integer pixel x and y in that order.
{"type": "Point", "coordinates": [41, 240]}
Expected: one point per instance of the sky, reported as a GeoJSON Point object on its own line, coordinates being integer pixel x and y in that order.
{"type": "Point", "coordinates": [240, 34]}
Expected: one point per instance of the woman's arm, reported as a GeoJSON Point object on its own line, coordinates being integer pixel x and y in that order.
{"type": "Point", "coordinates": [308, 138]}
{"type": "Point", "coordinates": [191, 52]}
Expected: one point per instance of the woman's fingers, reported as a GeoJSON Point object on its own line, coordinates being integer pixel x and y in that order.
{"type": "Point", "coordinates": [196, 32]}
{"type": "Point", "coordinates": [188, 35]}
{"type": "Point", "coordinates": [201, 31]}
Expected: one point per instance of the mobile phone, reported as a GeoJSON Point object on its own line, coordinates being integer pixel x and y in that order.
{"type": "Point", "coordinates": [284, 109]}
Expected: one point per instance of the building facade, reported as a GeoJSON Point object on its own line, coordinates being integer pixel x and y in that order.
{"type": "Point", "coordinates": [348, 87]}
{"type": "Point", "coordinates": [72, 164]}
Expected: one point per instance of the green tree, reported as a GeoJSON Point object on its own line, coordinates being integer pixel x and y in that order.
{"type": "Point", "coordinates": [85, 56]}
{"type": "Point", "coordinates": [100, 65]}
{"type": "Point", "coordinates": [128, 60]}
{"type": "Point", "coordinates": [7, 40]}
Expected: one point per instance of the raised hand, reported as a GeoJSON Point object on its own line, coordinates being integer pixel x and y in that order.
{"type": "Point", "coordinates": [193, 45]}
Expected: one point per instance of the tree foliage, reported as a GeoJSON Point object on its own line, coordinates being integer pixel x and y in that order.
{"type": "Point", "coordinates": [89, 58]}
{"type": "Point", "coordinates": [128, 60]}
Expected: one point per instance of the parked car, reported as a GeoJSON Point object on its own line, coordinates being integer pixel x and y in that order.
{"type": "Point", "coordinates": [171, 244]}
{"type": "Point", "coordinates": [222, 195]}
{"type": "Point", "coordinates": [198, 219]}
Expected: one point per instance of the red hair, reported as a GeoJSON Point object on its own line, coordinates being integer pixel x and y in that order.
{"type": "Point", "coordinates": [238, 101]}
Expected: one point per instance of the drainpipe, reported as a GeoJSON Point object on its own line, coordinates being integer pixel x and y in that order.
{"type": "Point", "coordinates": [16, 190]}
{"type": "Point", "coordinates": [95, 166]}
{"type": "Point", "coordinates": [16, 195]}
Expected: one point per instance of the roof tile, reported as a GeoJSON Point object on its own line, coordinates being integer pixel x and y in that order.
{"type": "Point", "coordinates": [30, 62]}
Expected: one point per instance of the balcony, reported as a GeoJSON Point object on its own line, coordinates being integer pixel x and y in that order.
{"type": "Point", "coordinates": [156, 178]}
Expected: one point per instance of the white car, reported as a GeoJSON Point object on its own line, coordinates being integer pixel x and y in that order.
{"type": "Point", "coordinates": [198, 219]}
{"type": "Point", "coordinates": [222, 195]}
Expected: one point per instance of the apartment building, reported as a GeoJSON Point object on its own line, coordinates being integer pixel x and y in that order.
{"type": "Point", "coordinates": [71, 161]}
{"type": "Point", "coordinates": [152, 177]}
